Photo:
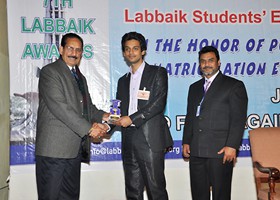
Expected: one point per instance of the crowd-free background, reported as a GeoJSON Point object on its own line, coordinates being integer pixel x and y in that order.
{"type": "Point", "coordinates": [245, 32]}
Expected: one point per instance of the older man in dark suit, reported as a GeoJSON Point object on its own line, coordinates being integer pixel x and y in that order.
{"type": "Point", "coordinates": [66, 119]}
{"type": "Point", "coordinates": [145, 134]}
{"type": "Point", "coordinates": [214, 126]}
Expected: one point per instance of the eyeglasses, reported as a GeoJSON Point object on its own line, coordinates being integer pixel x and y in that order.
{"type": "Point", "coordinates": [72, 49]}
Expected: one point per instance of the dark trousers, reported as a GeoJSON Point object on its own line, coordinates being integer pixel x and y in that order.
{"type": "Point", "coordinates": [58, 179]}
{"type": "Point", "coordinates": [206, 172]}
{"type": "Point", "coordinates": [142, 168]}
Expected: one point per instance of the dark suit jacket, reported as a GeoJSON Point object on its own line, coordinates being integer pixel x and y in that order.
{"type": "Point", "coordinates": [61, 126]}
{"type": "Point", "coordinates": [150, 115]}
{"type": "Point", "coordinates": [222, 116]}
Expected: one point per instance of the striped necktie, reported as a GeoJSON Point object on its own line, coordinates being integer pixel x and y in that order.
{"type": "Point", "coordinates": [206, 85]}
{"type": "Point", "coordinates": [78, 77]}
{"type": "Point", "coordinates": [74, 73]}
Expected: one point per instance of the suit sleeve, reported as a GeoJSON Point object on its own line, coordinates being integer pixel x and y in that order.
{"type": "Point", "coordinates": [238, 114]}
{"type": "Point", "coordinates": [52, 88]}
{"type": "Point", "coordinates": [157, 100]}
{"type": "Point", "coordinates": [188, 129]}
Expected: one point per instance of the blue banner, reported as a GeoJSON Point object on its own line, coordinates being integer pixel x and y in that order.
{"type": "Point", "coordinates": [245, 33]}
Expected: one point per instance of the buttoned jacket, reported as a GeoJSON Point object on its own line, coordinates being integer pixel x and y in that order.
{"type": "Point", "coordinates": [221, 119]}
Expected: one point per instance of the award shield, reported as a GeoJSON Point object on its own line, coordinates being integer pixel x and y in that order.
{"type": "Point", "coordinates": [115, 112]}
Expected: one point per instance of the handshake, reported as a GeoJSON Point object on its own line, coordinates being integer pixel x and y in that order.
{"type": "Point", "coordinates": [98, 131]}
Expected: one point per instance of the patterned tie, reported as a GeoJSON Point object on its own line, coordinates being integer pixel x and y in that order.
{"type": "Point", "coordinates": [206, 85]}
{"type": "Point", "coordinates": [74, 73]}
{"type": "Point", "coordinates": [78, 77]}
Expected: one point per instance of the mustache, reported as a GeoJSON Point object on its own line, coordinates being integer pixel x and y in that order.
{"type": "Point", "coordinates": [75, 57]}
{"type": "Point", "coordinates": [207, 67]}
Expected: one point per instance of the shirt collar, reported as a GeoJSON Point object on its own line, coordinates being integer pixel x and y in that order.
{"type": "Point", "coordinates": [71, 67]}
{"type": "Point", "coordinates": [211, 79]}
{"type": "Point", "coordinates": [139, 70]}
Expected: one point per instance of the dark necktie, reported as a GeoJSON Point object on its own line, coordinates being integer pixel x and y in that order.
{"type": "Point", "coordinates": [74, 73]}
{"type": "Point", "coordinates": [78, 77]}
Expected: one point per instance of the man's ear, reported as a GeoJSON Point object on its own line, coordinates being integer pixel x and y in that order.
{"type": "Point", "coordinates": [61, 50]}
{"type": "Point", "coordinates": [143, 53]}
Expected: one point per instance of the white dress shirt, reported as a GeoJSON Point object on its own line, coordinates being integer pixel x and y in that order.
{"type": "Point", "coordinates": [135, 80]}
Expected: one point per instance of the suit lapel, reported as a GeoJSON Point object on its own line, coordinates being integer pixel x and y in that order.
{"type": "Point", "coordinates": [198, 92]}
{"type": "Point", "coordinates": [66, 71]}
{"type": "Point", "coordinates": [214, 86]}
{"type": "Point", "coordinates": [145, 77]}
{"type": "Point", "coordinates": [73, 92]}
{"type": "Point", "coordinates": [126, 93]}
{"type": "Point", "coordinates": [146, 82]}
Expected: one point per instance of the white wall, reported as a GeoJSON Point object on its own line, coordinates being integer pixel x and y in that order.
{"type": "Point", "coordinates": [104, 181]}
{"type": "Point", "coordinates": [4, 103]}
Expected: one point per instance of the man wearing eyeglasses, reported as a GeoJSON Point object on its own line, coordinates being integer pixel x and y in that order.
{"type": "Point", "coordinates": [66, 120]}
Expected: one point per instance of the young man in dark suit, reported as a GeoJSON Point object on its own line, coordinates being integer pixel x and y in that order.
{"type": "Point", "coordinates": [66, 120]}
{"type": "Point", "coordinates": [214, 126]}
{"type": "Point", "coordinates": [145, 134]}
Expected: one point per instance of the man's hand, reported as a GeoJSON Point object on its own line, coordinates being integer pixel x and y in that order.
{"type": "Point", "coordinates": [186, 150]}
{"type": "Point", "coordinates": [104, 127]}
{"type": "Point", "coordinates": [98, 130]}
{"type": "Point", "coordinates": [105, 117]}
{"type": "Point", "coordinates": [229, 154]}
{"type": "Point", "coordinates": [124, 121]}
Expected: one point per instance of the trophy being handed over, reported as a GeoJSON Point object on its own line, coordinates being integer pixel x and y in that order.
{"type": "Point", "coordinates": [115, 112]}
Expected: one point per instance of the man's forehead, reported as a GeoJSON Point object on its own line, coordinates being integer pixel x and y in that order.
{"type": "Point", "coordinates": [208, 56]}
{"type": "Point", "coordinates": [73, 41]}
{"type": "Point", "coordinates": [132, 45]}
{"type": "Point", "coordinates": [132, 42]}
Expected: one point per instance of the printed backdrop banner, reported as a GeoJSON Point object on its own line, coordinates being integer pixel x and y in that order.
{"type": "Point", "coordinates": [245, 33]}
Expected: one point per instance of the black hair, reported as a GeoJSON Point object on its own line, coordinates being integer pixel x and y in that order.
{"type": "Point", "coordinates": [70, 35]}
{"type": "Point", "coordinates": [134, 36]}
{"type": "Point", "coordinates": [208, 49]}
